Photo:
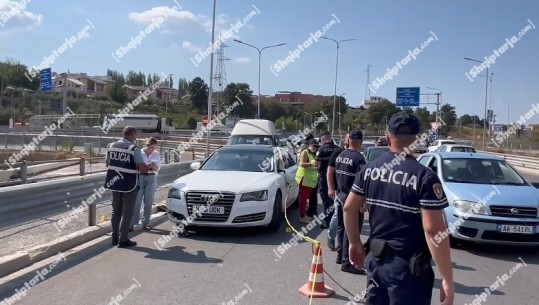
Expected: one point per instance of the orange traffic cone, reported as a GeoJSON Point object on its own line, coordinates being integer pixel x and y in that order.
{"type": "Point", "coordinates": [315, 287]}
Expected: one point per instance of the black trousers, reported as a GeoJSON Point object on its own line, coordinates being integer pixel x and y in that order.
{"type": "Point", "coordinates": [343, 242]}
{"type": "Point", "coordinates": [123, 208]}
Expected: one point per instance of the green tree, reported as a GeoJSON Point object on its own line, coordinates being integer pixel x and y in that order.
{"type": "Point", "coordinates": [192, 122]}
{"type": "Point", "coordinates": [198, 91]}
{"type": "Point", "coordinates": [272, 110]}
{"type": "Point", "coordinates": [242, 93]}
{"type": "Point", "coordinates": [423, 115]}
{"type": "Point", "coordinates": [381, 112]}
{"type": "Point", "coordinates": [183, 87]}
{"type": "Point", "coordinates": [449, 118]}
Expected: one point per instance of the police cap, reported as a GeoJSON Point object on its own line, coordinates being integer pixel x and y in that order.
{"type": "Point", "coordinates": [403, 123]}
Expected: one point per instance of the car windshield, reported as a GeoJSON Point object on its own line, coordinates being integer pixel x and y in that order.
{"type": "Point", "coordinates": [375, 153]}
{"type": "Point", "coordinates": [462, 149]}
{"type": "Point", "coordinates": [364, 146]}
{"type": "Point", "coordinates": [470, 170]}
{"type": "Point", "coordinates": [244, 161]}
{"type": "Point", "coordinates": [250, 139]}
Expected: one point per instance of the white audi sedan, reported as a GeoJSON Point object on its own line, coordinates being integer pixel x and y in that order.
{"type": "Point", "coordinates": [237, 186]}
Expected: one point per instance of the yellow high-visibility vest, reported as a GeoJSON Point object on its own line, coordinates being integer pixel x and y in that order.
{"type": "Point", "coordinates": [309, 174]}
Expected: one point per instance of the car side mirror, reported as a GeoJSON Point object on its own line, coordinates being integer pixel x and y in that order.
{"type": "Point", "coordinates": [535, 184]}
{"type": "Point", "coordinates": [195, 165]}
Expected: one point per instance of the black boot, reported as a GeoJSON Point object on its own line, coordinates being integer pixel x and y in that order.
{"type": "Point", "coordinates": [347, 267]}
{"type": "Point", "coordinates": [126, 244]}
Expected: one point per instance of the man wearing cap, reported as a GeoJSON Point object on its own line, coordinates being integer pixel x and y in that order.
{"type": "Point", "coordinates": [405, 201]}
{"type": "Point", "coordinates": [322, 160]}
{"type": "Point", "coordinates": [332, 186]}
{"type": "Point", "coordinates": [347, 165]}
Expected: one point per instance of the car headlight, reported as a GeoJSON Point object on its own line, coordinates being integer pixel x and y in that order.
{"type": "Point", "coordinates": [174, 193]}
{"type": "Point", "coordinates": [470, 207]}
{"type": "Point", "coordinates": [255, 196]}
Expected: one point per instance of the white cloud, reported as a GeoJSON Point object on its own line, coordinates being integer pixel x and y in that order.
{"type": "Point", "coordinates": [14, 16]}
{"type": "Point", "coordinates": [243, 60]}
{"type": "Point", "coordinates": [191, 47]}
{"type": "Point", "coordinates": [175, 19]}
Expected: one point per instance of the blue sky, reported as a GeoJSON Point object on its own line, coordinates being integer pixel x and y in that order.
{"type": "Point", "coordinates": [385, 32]}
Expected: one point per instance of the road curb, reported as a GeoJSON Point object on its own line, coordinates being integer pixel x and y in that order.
{"type": "Point", "coordinates": [15, 262]}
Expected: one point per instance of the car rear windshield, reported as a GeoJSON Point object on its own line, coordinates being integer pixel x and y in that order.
{"type": "Point", "coordinates": [480, 171]}
{"type": "Point", "coordinates": [250, 139]}
{"type": "Point", "coordinates": [462, 149]}
{"type": "Point", "coordinates": [375, 153]}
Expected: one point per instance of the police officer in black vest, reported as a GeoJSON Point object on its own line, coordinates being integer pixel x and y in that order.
{"type": "Point", "coordinates": [124, 162]}
{"type": "Point", "coordinates": [347, 165]}
{"type": "Point", "coordinates": [322, 161]}
{"type": "Point", "coordinates": [405, 201]}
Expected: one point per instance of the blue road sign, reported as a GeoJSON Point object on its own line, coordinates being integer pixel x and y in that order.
{"type": "Point", "coordinates": [408, 97]}
{"type": "Point", "coordinates": [497, 129]}
{"type": "Point", "coordinates": [45, 80]}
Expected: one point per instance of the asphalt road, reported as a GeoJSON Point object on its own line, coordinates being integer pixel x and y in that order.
{"type": "Point", "coordinates": [216, 266]}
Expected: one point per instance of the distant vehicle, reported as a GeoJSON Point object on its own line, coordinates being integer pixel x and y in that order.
{"type": "Point", "coordinates": [374, 152]}
{"type": "Point", "coordinates": [421, 148]}
{"type": "Point", "coordinates": [216, 129]}
{"type": "Point", "coordinates": [489, 201]}
{"type": "Point", "coordinates": [366, 145]}
{"type": "Point", "coordinates": [237, 186]}
{"type": "Point", "coordinates": [253, 131]}
{"type": "Point", "coordinates": [455, 148]}
{"type": "Point", "coordinates": [381, 141]}
{"type": "Point", "coordinates": [149, 123]}
{"type": "Point", "coordinates": [439, 143]}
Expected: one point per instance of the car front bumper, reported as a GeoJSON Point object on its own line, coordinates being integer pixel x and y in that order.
{"type": "Point", "coordinates": [240, 214]}
{"type": "Point", "coordinates": [485, 230]}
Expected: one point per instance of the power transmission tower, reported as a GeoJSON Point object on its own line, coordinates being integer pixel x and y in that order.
{"type": "Point", "coordinates": [367, 88]}
{"type": "Point", "coordinates": [219, 78]}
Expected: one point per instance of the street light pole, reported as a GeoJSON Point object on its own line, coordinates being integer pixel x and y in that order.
{"type": "Point", "coordinates": [208, 131]}
{"type": "Point", "coordinates": [297, 121]}
{"type": "Point", "coordinates": [338, 43]}
{"type": "Point", "coordinates": [259, 66]}
{"type": "Point", "coordinates": [438, 95]}
{"type": "Point", "coordinates": [486, 100]}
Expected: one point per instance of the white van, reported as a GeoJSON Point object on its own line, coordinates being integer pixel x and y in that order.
{"type": "Point", "coordinates": [261, 132]}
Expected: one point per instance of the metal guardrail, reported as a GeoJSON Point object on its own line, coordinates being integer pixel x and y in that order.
{"type": "Point", "coordinates": [30, 199]}
{"type": "Point", "coordinates": [521, 161]}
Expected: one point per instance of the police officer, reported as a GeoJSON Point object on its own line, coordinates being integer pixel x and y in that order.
{"type": "Point", "coordinates": [124, 161]}
{"type": "Point", "coordinates": [322, 160]}
{"type": "Point", "coordinates": [347, 165]}
{"type": "Point", "coordinates": [405, 202]}
{"type": "Point", "coordinates": [332, 185]}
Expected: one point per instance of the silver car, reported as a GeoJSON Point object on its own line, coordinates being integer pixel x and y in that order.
{"type": "Point", "coordinates": [489, 201]}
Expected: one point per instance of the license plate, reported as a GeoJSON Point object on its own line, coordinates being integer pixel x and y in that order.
{"type": "Point", "coordinates": [516, 229]}
{"type": "Point", "coordinates": [208, 209]}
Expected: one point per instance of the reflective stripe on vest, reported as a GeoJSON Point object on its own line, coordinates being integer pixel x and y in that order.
{"type": "Point", "coordinates": [122, 174]}
{"type": "Point", "coordinates": [309, 175]}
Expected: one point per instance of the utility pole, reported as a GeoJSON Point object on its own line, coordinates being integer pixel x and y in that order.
{"type": "Point", "coordinates": [208, 131]}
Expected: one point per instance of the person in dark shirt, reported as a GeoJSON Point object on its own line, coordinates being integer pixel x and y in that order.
{"type": "Point", "coordinates": [347, 165]}
{"type": "Point", "coordinates": [405, 201]}
{"type": "Point", "coordinates": [322, 160]}
{"type": "Point", "coordinates": [332, 185]}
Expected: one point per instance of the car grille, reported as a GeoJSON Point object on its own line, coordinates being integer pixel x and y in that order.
{"type": "Point", "coordinates": [491, 235]}
{"type": "Point", "coordinates": [504, 211]}
{"type": "Point", "coordinates": [250, 218]}
{"type": "Point", "coordinates": [225, 200]}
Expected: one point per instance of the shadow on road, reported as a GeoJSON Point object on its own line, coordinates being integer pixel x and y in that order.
{"type": "Point", "coordinates": [467, 290]}
{"type": "Point", "coordinates": [505, 253]}
{"type": "Point", "coordinates": [177, 254]}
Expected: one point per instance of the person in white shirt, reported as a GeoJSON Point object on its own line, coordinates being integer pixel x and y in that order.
{"type": "Point", "coordinates": [147, 184]}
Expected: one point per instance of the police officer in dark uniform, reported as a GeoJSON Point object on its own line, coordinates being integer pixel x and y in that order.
{"type": "Point", "coordinates": [322, 160]}
{"type": "Point", "coordinates": [405, 202]}
{"type": "Point", "coordinates": [124, 162]}
{"type": "Point", "coordinates": [347, 165]}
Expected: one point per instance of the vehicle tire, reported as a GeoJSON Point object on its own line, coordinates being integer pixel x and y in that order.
{"type": "Point", "coordinates": [277, 216]}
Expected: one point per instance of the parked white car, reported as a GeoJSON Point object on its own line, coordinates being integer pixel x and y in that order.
{"type": "Point", "coordinates": [438, 143]}
{"type": "Point", "coordinates": [237, 186]}
{"type": "Point", "coordinates": [455, 148]}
